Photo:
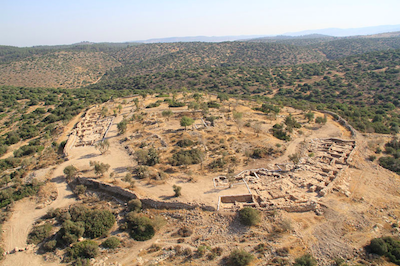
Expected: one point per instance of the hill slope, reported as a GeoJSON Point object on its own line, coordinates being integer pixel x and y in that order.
{"type": "Point", "coordinates": [64, 69]}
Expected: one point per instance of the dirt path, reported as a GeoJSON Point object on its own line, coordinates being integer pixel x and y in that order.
{"type": "Point", "coordinates": [24, 216]}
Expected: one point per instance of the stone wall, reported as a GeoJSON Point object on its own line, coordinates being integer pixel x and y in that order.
{"type": "Point", "coordinates": [341, 121]}
{"type": "Point", "coordinates": [127, 195]}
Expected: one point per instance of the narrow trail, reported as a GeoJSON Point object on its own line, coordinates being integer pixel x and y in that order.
{"type": "Point", "coordinates": [24, 216]}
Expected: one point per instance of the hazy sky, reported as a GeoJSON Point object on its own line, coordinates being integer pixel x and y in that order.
{"type": "Point", "coordinates": [44, 22]}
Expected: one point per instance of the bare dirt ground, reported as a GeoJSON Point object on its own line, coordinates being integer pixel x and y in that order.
{"type": "Point", "coordinates": [346, 225]}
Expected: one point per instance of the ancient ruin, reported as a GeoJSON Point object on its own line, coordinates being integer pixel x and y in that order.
{"type": "Point", "coordinates": [292, 187]}
{"type": "Point", "coordinates": [92, 128]}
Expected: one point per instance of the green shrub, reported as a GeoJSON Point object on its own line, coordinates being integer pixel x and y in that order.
{"type": "Point", "coordinates": [305, 260]}
{"type": "Point", "coordinates": [280, 134]}
{"type": "Point", "coordinates": [80, 189]}
{"type": "Point", "coordinates": [386, 246]}
{"type": "Point", "coordinates": [142, 172]}
{"type": "Point", "coordinates": [249, 216]}
{"type": "Point", "coordinates": [321, 120]}
{"type": "Point", "coordinates": [85, 249]}
{"type": "Point", "coordinates": [98, 223]}
{"type": "Point", "coordinates": [39, 233]}
{"type": "Point", "coordinates": [217, 163]}
{"type": "Point", "coordinates": [135, 205]}
{"type": "Point", "coordinates": [111, 242]}
{"type": "Point", "coordinates": [185, 143]}
{"type": "Point", "coordinates": [50, 245]}
{"type": "Point", "coordinates": [175, 104]}
{"type": "Point", "coordinates": [201, 251]}
{"type": "Point", "coordinates": [213, 104]}
{"type": "Point", "coordinates": [156, 104]}
{"type": "Point", "coordinates": [186, 157]}
{"type": "Point", "coordinates": [147, 157]}
{"type": "Point", "coordinates": [378, 246]}
{"type": "Point", "coordinates": [239, 257]}
{"type": "Point", "coordinates": [140, 227]}
{"type": "Point", "coordinates": [70, 232]}
{"type": "Point", "coordinates": [70, 172]}
{"type": "Point", "coordinates": [177, 190]}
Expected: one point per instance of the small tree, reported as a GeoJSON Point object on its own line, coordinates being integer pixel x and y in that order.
{"type": "Point", "coordinates": [186, 121]}
{"type": "Point", "coordinates": [142, 172]}
{"type": "Point", "coordinates": [167, 114]}
{"type": "Point", "coordinates": [99, 168]}
{"type": "Point", "coordinates": [102, 146]}
{"type": "Point", "coordinates": [237, 117]}
{"type": "Point", "coordinates": [309, 116]}
{"type": "Point", "coordinates": [249, 216]}
{"type": "Point", "coordinates": [122, 126]}
{"type": "Point", "coordinates": [177, 190]}
{"type": "Point", "coordinates": [70, 172]}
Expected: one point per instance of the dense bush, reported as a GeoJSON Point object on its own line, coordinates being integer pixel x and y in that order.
{"type": "Point", "coordinates": [280, 134]}
{"type": "Point", "coordinates": [140, 227]}
{"type": "Point", "coordinates": [14, 194]}
{"type": "Point", "coordinates": [386, 246]}
{"type": "Point", "coordinates": [391, 162]}
{"type": "Point", "coordinates": [147, 157]}
{"type": "Point", "coordinates": [249, 216]}
{"type": "Point", "coordinates": [70, 232]}
{"type": "Point", "coordinates": [186, 157]}
{"type": "Point", "coordinates": [135, 205]}
{"type": "Point", "coordinates": [111, 242]}
{"type": "Point", "coordinates": [239, 257]}
{"type": "Point", "coordinates": [39, 233]}
{"type": "Point", "coordinates": [50, 245]}
{"type": "Point", "coordinates": [291, 122]}
{"type": "Point", "coordinates": [85, 249]}
{"type": "Point", "coordinates": [185, 143]}
{"type": "Point", "coordinates": [142, 172]}
{"type": "Point", "coordinates": [98, 223]}
{"type": "Point", "coordinates": [217, 163]}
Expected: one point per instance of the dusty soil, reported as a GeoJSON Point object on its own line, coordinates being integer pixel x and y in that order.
{"type": "Point", "coordinates": [348, 222]}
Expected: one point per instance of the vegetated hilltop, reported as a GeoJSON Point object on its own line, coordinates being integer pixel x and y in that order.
{"type": "Point", "coordinates": [361, 88]}
{"type": "Point", "coordinates": [296, 40]}
{"type": "Point", "coordinates": [80, 64]}
{"type": "Point", "coordinates": [161, 57]}
{"type": "Point", "coordinates": [58, 69]}
{"type": "Point", "coordinates": [352, 46]}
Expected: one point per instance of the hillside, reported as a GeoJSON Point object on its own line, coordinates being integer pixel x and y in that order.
{"type": "Point", "coordinates": [66, 69]}
{"type": "Point", "coordinates": [151, 58]}
{"type": "Point", "coordinates": [77, 65]}
{"type": "Point", "coordinates": [358, 87]}
{"type": "Point", "coordinates": [351, 46]}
